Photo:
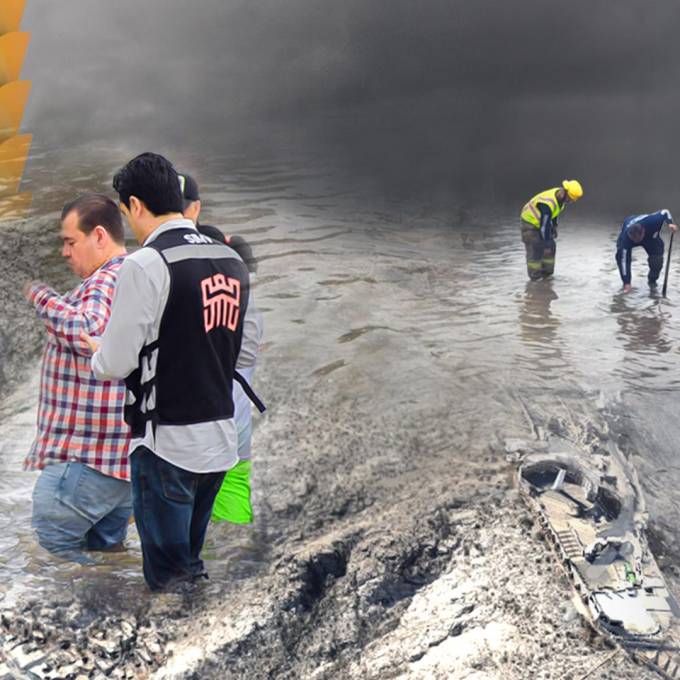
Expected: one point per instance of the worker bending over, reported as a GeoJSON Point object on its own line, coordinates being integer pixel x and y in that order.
{"type": "Point", "coordinates": [642, 230]}
{"type": "Point", "coordinates": [539, 226]}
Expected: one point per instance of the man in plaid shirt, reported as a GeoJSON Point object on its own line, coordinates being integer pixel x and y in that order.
{"type": "Point", "coordinates": [82, 498]}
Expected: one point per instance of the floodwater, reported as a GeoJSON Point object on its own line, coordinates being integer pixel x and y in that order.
{"type": "Point", "coordinates": [403, 308]}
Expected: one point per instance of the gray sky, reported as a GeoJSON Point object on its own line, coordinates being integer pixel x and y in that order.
{"type": "Point", "coordinates": [481, 97]}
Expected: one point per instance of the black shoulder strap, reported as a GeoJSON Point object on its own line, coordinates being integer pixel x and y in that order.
{"type": "Point", "coordinates": [249, 392]}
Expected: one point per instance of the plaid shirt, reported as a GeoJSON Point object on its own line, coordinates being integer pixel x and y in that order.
{"type": "Point", "coordinates": [79, 418]}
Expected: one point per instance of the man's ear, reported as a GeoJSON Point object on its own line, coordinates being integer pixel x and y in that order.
{"type": "Point", "coordinates": [136, 206]}
{"type": "Point", "coordinates": [101, 235]}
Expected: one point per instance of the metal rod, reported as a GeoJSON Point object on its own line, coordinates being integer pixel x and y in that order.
{"type": "Point", "coordinates": [668, 264]}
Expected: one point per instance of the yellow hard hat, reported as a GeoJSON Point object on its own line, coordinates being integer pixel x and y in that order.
{"type": "Point", "coordinates": [573, 188]}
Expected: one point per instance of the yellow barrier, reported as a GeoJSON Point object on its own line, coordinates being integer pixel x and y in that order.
{"type": "Point", "coordinates": [13, 154]}
{"type": "Point", "coordinates": [14, 93]}
{"type": "Point", "coordinates": [15, 207]}
{"type": "Point", "coordinates": [13, 48]}
{"type": "Point", "coordinates": [13, 100]}
{"type": "Point", "coordinates": [11, 12]}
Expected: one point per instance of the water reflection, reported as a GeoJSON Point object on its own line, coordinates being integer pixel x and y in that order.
{"type": "Point", "coordinates": [538, 330]}
{"type": "Point", "coordinates": [644, 335]}
{"type": "Point", "coordinates": [641, 329]}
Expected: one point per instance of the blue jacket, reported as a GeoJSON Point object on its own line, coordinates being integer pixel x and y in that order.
{"type": "Point", "coordinates": [652, 224]}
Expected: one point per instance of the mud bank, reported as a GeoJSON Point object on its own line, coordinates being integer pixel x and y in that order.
{"type": "Point", "coordinates": [474, 597]}
{"type": "Point", "coordinates": [471, 594]}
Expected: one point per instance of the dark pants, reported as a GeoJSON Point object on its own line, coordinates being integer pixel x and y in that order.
{"type": "Point", "coordinates": [172, 508]}
{"type": "Point", "coordinates": [540, 253]}
{"type": "Point", "coordinates": [654, 249]}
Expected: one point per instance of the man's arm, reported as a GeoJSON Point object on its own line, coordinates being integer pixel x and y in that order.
{"type": "Point", "coordinates": [546, 220]}
{"type": "Point", "coordinates": [623, 260]}
{"type": "Point", "coordinates": [252, 335]}
{"type": "Point", "coordinates": [133, 315]}
{"type": "Point", "coordinates": [669, 220]}
{"type": "Point", "coordinates": [65, 323]}
{"type": "Point", "coordinates": [653, 222]}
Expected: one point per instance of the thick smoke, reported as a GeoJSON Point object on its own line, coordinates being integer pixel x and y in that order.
{"type": "Point", "coordinates": [484, 100]}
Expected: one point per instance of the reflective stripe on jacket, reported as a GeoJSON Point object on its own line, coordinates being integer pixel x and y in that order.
{"type": "Point", "coordinates": [531, 213]}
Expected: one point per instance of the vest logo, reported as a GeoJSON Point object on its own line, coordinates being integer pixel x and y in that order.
{"type": "Point", "coordinates": [221, 302]}
{"type": "Point", "coordinates": [198, 239]}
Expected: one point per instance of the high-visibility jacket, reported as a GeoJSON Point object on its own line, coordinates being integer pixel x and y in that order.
{"type": "Point", "coordinates": [531, 213]}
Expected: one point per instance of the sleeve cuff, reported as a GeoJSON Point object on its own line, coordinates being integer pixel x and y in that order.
{"type": "Point", "coordinates": [39, 294]}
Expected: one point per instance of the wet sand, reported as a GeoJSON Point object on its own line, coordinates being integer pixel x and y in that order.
{"type": "Point", "coordinates": [403, 348]}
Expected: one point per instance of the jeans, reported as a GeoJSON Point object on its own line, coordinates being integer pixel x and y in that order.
{"type": "Point", "coordinates": [77, 508]}
{"type": "Point", "coordinates": [172, 508]}
{"type": "Point", "coordinates": [654, 250]}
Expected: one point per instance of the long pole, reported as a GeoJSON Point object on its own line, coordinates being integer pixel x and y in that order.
{"type": "Point", "coordinates": [668, 263]}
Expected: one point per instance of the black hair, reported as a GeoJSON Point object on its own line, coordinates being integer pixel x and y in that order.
{"type": "Point", "coordinates": [636, 232]}
{"type": "Point", "coordinates": [97, 210]}
{"type": "Point", "coordinates": [153, 180]}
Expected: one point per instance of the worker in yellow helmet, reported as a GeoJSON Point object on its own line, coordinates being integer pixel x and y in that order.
{"type": "Point", "coordinates": [539, 226]}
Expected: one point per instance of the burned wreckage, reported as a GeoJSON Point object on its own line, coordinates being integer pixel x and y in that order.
{"type": "Point", "coordinates": [592, 511]}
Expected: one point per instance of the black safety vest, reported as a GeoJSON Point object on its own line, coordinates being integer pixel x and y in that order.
{"type": "Point", "coordinates": [185, 376]}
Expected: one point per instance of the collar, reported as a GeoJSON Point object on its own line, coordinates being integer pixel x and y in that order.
{"type": "Point", "coordinates": [179, 223]}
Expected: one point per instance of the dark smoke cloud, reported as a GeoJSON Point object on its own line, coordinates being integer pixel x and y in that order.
{"type": "Point", "coordinates": [486, 100]}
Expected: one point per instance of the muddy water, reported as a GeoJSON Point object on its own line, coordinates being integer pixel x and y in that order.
{"type": "Point", "coordinates": [401, 340]}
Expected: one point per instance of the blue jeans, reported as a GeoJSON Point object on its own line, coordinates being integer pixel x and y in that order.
{"type": "Point", "coordinates": [172, 508]}
{"type": "Point", "coordinates": [77, 508]}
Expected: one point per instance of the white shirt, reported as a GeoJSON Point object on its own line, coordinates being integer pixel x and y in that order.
{"type": "Point", "coordinates": [250, 346]}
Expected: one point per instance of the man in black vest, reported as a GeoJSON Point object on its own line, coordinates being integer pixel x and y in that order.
{"type": "Point", "coordinates": [175, 336]}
